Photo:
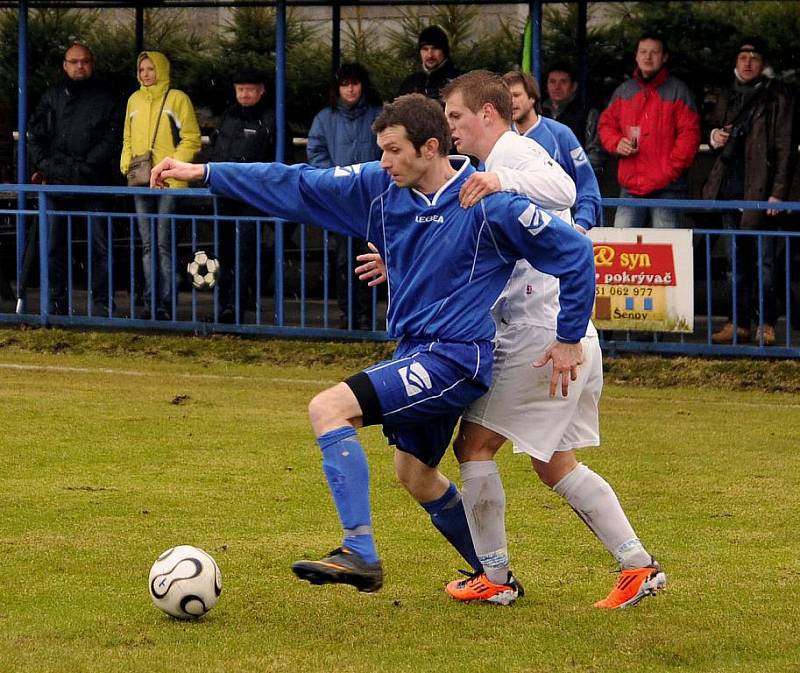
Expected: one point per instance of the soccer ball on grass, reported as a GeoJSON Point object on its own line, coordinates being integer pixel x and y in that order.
{"type": "Point", "coordinates": [185, 582]}
{"type": "Point", "coordinates": [203, 270]}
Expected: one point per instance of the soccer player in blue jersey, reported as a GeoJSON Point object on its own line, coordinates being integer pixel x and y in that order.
{"type": "Point", "coordinates": [519, 405]}
{"type": "Point", "coordinates": [559, 142]}
{"type": "Point", "coordinates": [446, 265]}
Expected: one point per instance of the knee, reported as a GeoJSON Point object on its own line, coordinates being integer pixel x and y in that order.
{"type": "Point", "coordinates": [319, 410]}
{"type": "Point", "coordinates": [333, 408]}
{"type": "Point", "coordinates": [560, 465]}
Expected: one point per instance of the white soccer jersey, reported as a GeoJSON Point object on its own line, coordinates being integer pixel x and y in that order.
{"type": "Point", "coordinates": [523, 166]}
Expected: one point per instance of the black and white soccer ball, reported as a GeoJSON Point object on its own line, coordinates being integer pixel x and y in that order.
{"type": "Point", "coordinates": [203, 270]}
{"type": "Point", "coordinates": [185, 582]}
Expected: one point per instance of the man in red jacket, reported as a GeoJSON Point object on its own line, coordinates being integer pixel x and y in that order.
{"type": "Point", "coordinates": [652, 125]}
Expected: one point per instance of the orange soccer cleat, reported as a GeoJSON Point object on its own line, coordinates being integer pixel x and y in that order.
{"type": "Point", "coordinates": [633, 585]}
{"type": "Point", "coordinates": [477, 587]}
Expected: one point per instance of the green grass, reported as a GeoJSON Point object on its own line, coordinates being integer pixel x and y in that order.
{"type": "Point", "coordinates": [104, 464]}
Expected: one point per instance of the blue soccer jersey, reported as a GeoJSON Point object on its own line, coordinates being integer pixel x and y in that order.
{"type": "Point", "coordinates": [560, 142]}
{"type": "Point", "coordinates": [446, 265]}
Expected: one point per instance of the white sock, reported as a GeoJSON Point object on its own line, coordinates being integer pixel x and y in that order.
{"type": "Point", "coordinates": [485, 506]}
{"type": "Point", "coordinates": [595, 502]}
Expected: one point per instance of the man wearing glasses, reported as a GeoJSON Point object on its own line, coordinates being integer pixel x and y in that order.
{"type": "Point", "coordinates": [73, 139]}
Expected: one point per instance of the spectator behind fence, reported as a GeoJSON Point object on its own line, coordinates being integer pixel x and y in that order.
{"type": "Point", "coordinates": [159, 122]}
{"type": "Point", "coordinates": [751, 132]}
{"type": "Point", "coordinates": [6, 143]}
{"type": "Point", "coordinates": [341, 134]}
{"type": "Point", "coordinates": [559, 142]}
{"type": "Point", "coordinates": [73, 137]}
{"type": "Point", "coordinates": [652, 125]}
{"type": "Point", "coordinates": [437, 68]}
{"type": "Point", "coordinates": [564, 105]}
{"type": "Point", "coordinates": [246, 133]}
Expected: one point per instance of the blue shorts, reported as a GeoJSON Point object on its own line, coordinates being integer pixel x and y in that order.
{"type": "Point", "coordinates": [424, 389]}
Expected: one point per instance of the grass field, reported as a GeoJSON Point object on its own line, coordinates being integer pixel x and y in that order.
{"type": "Point", "coordinates": [117, 447]}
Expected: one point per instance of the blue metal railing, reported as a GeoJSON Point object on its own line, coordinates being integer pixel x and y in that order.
{"type": "Point", "coordinates": [293, 268]}
{"type": "Point", "coordinates": [281, 306]}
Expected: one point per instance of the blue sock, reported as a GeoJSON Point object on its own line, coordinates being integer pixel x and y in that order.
{"type": "Point", "coordinates": [345, 465]}
{"type": "Point", "coordinates": [447, 515]}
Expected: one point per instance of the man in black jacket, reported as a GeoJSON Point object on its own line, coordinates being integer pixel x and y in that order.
{"type": "Point", "coordinates": [246, 133]}
{"type": "Point", "coordinates": [752, 132]}
{"type": "Point", "coordinates": [437, 68]}
{"type": "Point", "coordinates": [74, 137]}
{"type": "Point", "coordinates": [564, 105]}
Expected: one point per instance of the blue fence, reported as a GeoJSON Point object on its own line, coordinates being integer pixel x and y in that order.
{"type": "Point", "coordinates": [284, 276]}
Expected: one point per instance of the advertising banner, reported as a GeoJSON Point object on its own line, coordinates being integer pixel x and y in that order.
{"type": "Point", "coordinates": [645, 279]}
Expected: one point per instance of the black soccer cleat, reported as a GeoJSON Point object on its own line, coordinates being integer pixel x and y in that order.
{"type": "Point", "coordinates": [342, 566]}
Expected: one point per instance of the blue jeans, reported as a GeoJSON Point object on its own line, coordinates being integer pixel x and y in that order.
{"type": "Point", "coordinates": [657, 218]}
{"type": "Point", "coordinates": [747, 289]}
{"type": "Point", "coordinates": [97, 233]}
{"type": "Point", "coordinates": [146, 207]}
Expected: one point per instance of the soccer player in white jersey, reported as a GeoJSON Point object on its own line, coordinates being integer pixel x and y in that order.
{"type": "Point", "coordinates": [408, 206]}
{"type": "Point", "coordinates": [520, 405]}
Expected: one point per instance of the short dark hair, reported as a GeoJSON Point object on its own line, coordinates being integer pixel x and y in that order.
{"type": "Point", "coordinates": [529, 84]}
{"type": "Point", "coordinates": [421, 117]}
{"type": "Point", "coordinates": [563, 66]}
{"type": "Point", "coordinates": [353, 72]}
{"type": "Point", "coordinates": [656, 37]}
{"type": "Point", "coordinates": [479, 87]}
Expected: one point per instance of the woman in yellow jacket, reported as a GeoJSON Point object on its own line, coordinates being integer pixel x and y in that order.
{"type": "Point", "coordinates": [177, 135]}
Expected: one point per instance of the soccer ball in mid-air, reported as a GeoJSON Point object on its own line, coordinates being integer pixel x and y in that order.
{"type": "Point", "coordinates": [185, 582]}
{"type": "Point", "coordinates": [203, 270]}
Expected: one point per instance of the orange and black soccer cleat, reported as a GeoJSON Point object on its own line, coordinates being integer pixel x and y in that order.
{"type": "Point", "coordinates": [633, 585]}
{"type": "Point", "coordinates": [342, 566]}
{"type": "Point", "coordinates": [477, 587]}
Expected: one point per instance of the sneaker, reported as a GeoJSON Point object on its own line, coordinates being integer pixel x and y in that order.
{"type": "Point", "coordinates": [725, 335]}
{"type": "Point", "coordinates": [342, 566]}
{"type": "Point", "coordinates": [633, 585]}
{"type": "Point", "coordinates": [477, 587]}
{"type": "Point", "coordinates": [768, 334]}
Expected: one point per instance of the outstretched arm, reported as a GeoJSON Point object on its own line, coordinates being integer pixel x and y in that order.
{"type": "Point", "coordinates": [179, 170]}
{"type": "Point", "coordinates": [337, 199]}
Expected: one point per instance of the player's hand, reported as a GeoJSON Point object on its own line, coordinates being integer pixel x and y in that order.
{"type": "Point", "coordinates": [373, 269]}
{"type": "Point", "coordinates": [476, 187]}
{"type": "Point", "coordinates": [566, 358]}
{"type": "Point", "coordinates": [179, 170]}
{"type": "Point", "coordinates": [625, 148]}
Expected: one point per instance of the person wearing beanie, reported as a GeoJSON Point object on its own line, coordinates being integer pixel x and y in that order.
{"type": "Point", "coordinates": [751, 132]}
{"type": "Point", "coordinates": [245, 133]}
{"type": "Point", "coordinates": [437, 68]}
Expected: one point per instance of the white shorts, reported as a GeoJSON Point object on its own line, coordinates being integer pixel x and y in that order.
{"type": "Point", "coordinates": [519, 407]}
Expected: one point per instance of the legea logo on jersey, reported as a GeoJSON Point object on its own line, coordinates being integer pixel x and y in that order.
{"type": "Point", "coordinates": [534, 220]}
{"type": "Point", "coordinates": [422, 219]}
{"type": "Point", "coordinates": [578, 156]}
{"type": "Point", "coordinates": [415, 378]}
{"type": "Point", "coordinates": [346, 171]}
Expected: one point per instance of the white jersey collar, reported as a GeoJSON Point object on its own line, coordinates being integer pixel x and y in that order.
{"type": "Point", "coordinates": [455, 160]}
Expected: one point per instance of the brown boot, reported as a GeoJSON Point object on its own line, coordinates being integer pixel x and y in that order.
{"type": "Point", "coordinates": [768, 334]}
{"type": "Point", "coordinates": [725, 335]}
